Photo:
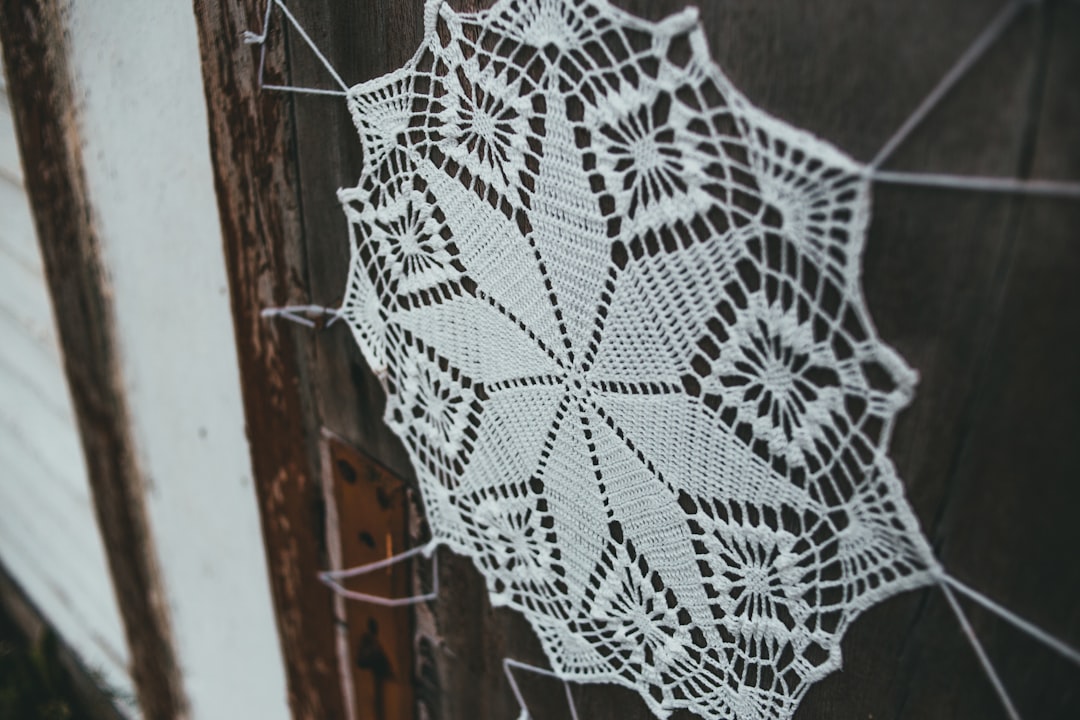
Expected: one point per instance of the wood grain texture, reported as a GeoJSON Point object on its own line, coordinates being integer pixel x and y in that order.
{"type": "Point", "coordinates": [976, 291]}
{"type": "Point", "coordinates": [367, 40]}
{"type": "Point", "coordinates": [49, 537]}
{"type": "Point", "coordinates": [39, 88]}
{"type": "Point", "coordinates": [255, 181]}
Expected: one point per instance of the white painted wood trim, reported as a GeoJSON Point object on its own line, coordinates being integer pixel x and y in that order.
{"type": "Point", "coordinates": [143, 122]}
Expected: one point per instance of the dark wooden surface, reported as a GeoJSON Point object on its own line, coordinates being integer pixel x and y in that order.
{"type": "Point", "coordinates": [978, 292]}
{"type": "Point", "coordinates": [255, 179]}
{"type": "Point", "coordinates": [43, 104]}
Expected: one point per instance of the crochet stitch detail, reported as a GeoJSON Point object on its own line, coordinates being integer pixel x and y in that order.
{"type": "Point", "coordinates": [619, 315]}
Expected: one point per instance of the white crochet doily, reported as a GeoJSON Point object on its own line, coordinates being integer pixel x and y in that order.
{"type": "Point", "coordinates": [618, 312]}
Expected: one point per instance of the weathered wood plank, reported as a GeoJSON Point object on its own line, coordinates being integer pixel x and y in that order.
{"type": "Point", "coordinates": [255, 181]}
{"type": "Point", "coordinates": [345, 397]}
{"type": "Point", "coordinates": [950, 278]}
{"type": "Point", "coordinates": [460, 642]}
{"type": "Point", "coordinates": [931, 270]}
{"type": "Point", "coordinates": [39, 87]}
{"type": "Point", "coordinates": [365, 41]}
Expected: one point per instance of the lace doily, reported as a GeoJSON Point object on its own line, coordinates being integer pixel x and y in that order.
{"type": "Point", "coordinates": [618, 312]}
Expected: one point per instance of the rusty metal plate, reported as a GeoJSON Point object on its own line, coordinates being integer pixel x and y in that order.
{"type": "Point", "coordinates": [367, 520]}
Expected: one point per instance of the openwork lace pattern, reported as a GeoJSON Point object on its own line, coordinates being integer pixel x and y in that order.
{"type": "Point", "coordinates": [618, 312]}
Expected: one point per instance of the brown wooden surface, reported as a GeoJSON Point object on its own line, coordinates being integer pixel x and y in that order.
{"type": "Point", "coordinates": [977, 291]}
{"type": "Point", "coordinates": [460, 643]}
{"type": "Point", "coordinates": [39, 85]}
{"type": "Point", "coordinates": [255, 181]}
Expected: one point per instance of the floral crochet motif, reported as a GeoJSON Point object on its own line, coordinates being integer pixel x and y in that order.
{"type": "Point", "coordinates": [618, 312]}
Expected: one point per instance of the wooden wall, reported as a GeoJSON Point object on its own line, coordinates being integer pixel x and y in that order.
{"type": "Point", "coordinates": [143, 124]}
{"type": "Point", "coordinates": [108, 107]}
{"type": "Point", "coordinates": [49, 541]}
{"type": "Point", "coordinates": [978, 292]}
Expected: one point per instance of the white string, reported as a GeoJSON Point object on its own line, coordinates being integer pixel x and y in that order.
{"type": "Point", "coordinates": [1018, 622]}
{"type": "Point", "coordinates": [331, 578]}
{"type": "Point", "coordinates": [1047, 188]}
{"type": "Point", "coordinates": [303, 90]}
{"type": "Point", "coordinates": [984, 659]}
{"type": "Point", "coordinates": [508, 664]}
{"type": "Point", "coordinates": [252, 38]}
{"type": "Point", "coordinates": [570, 701]}
{"type": "Point", "coordinates": [982, 43]}
{"type": "Point", "coordinates": [296, 314]}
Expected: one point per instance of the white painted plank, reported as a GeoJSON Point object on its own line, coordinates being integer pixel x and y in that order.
{"type": "Point", "coordinates": [25, 309]}
{"type": "Point", "coordinates": [50, 569]}
{"type": "Point", "coordinates": [138, 83]}
{"type": "Point", "coordinates": [44, 533]}
{"type": "Point", "coordinates": [10, 166]}
{"type": "Point", "coordinates": [49, 541]}
{"type": "Point", "coordinates": [44, 569]}
{"type": "Point", "coordinates": [54, 547]}
{"type": "Point", "coordinates": [17, 236]}
{"type": "Point", "coordinates": [37, 432]}
{"type": "Point", "coordinates": [49, 549]}
{"type": "Point", "coordinates": [37, 381]}
{"type": "Point", "coordinates": [29, 354]}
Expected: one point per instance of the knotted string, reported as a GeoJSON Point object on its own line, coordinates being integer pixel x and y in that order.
{"type": "Point", "coordinates": [980, 652]}
{"type": "Point", "coordinates": [333, 578]}
{"type": "Point", "coordinates": [986, 39]}
{"type": "Point", "coordinates": [997, 27]}
{"type": "Point", "coordinates": [1024, 626]}
{"type": "Point", "coordinates": [301, 314]}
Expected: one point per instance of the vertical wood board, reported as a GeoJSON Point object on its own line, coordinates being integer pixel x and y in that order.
{"type": "Point", "coordinates": [39, 87]}
{"type": "Point", "coordinates": [255, 180]}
